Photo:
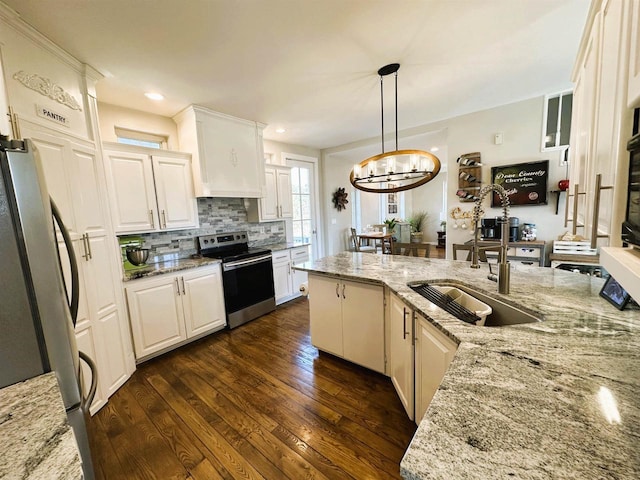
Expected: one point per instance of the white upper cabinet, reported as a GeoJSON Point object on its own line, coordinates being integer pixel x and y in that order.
{"type": "Point", "coordinates": [44, 84]}
{"type": "Point", "coordinates": [149, 191]}
{"type": "Point", "coordinates": [277, 203]}
{"type": "Point", "coordinates": [174, 191]}
{"type": "Point", "coordinates": [227, 153]}
{"type": "Point", "coordinates": [131, 191]}
{"type": "Point", "coordinates": [634, 57]}
{"type": "Point", "coordinates": [601, 124]}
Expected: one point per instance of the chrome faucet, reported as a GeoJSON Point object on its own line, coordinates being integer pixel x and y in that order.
{"type": "Point", "coordinates": [503, 267]}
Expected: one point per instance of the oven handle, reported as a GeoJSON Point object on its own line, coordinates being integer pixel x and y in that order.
{"type": "Point", "coordinates": [242, 263]}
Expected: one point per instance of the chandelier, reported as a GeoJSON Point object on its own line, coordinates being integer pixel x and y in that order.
{"type": "Point", "coordinates": [397, 170]}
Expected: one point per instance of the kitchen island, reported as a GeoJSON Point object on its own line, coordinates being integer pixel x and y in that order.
{"type": "Point", "coordinates": [535, 401]}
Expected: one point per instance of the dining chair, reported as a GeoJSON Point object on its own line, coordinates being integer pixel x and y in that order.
{"type": "Point", "coordinates": [411, 249]}
{"type": "Point", "coordinates": [357, 246]}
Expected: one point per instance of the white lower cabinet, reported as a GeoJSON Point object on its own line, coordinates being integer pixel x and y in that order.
{"type": "Point", "coordinates": [168, 310]}
{"type": "Point", "coordinates": [401, 326]}
{"type": "Point", "coordinates": [298, 277]}
{"type": "Point", "coordinates": [286, 281]}
{"type": "Point", "coordinates": [420, 355]}
{"type": "Point", "coordinates": [347, 320]}
{"type": "Point", "coordinates": [433, 354]}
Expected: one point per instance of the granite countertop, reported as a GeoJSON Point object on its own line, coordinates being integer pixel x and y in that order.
{"type": "Point", "coordinates": [521, 401]}
{"type": "Point", "coordinates": [172, 263]}
{"type": "Point", "coordinates": [168, 264]}
{"type": "Point", "coordinates": [37, 442]}
{"type": "Point", "coordinates": [276, 247]}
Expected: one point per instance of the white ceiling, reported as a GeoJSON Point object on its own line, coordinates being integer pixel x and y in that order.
{"type": "Point", "coordinates": [309, 66]}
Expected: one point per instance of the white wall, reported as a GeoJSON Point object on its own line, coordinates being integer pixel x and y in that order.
{"type": "Point", "coordinates": [111, 116]}
{"type": "Point", "coordinates": [521, 126]}
{"type": "Point", "coordinates": [277, 148]}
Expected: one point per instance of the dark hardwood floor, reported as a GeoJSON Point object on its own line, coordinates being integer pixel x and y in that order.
{"type": "Point", "coordinates": [255, 402]}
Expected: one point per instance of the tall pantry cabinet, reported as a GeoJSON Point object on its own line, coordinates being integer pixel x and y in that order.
{"type": "Point", "coordinates": [601, 124]}
{"type": "Point", "coordinates": [69, 146]}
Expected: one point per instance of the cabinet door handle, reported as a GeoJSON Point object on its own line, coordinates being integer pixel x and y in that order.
{"type": "Point", "coordinates": [404, 323]}
{"type": "Point", "coordinates": [85, 255]}
{"type": "Point", "coordinates": [343, 287]}
{"type": "Point", "coordinates": [177, 286]}
{"type": "Point", "coordinates": [89, 247]}
{"type": "Point", "coordinates": [183, 290]}
{"type": "Point", "coordinates": [153, 224]}
{"type": "Point", "coordinates": [337, 292]}
{"type": "Point", "coordinates": [15, 126]}
{"type": "Point", "coordinates": [164, 219]}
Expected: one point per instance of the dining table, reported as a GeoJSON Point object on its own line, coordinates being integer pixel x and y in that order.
{"type": "Point", "coordinates": [385, 239]}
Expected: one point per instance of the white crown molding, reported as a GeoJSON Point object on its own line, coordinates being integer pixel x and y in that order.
{"type": "Point", "coordinates": [207, 111]}
{"type": "Point", "coordinates": [12, 18]}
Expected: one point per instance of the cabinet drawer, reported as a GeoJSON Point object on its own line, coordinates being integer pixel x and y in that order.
{"type": "Point", "coordinates": [300, 254]}
{"type": "Point", "coordinates": [528, 252]}
{"type": "Point", "coordinates": [281, 256]}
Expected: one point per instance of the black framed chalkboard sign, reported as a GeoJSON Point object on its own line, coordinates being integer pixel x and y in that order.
{"type": "Point", "coordinates": [525, 183]}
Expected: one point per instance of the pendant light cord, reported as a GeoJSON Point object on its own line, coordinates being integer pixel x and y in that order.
{"type": "Point", "coordinates": [382, 109]}
{"type": "Point", "coordinates": [396, 81]}
{"type": "Point", "coordinates": [395, 74]}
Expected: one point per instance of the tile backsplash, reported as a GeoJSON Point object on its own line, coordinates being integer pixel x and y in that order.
{"type": "Point", "coordinates": [216, 215]}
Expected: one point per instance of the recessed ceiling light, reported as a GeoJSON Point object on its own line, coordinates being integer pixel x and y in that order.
{"type": "Point", "coordinates": [154, 96]}
{"type": "Point", "coordinates": [434, 149]}
{"type": "Point", "coordinates": [280, 130]}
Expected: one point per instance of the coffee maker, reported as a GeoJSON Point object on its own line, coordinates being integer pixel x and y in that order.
{"type": "Point", "coordinates": [491, 228]}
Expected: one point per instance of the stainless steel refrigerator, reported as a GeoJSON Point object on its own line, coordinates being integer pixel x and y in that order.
{"type": "Point", "coordinates": [36, 314]}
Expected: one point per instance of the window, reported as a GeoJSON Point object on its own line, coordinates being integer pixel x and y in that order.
{"type": "Point", "coordinates": [142, 139]}
{"type": "Point", "coordinates": [302, 209]}
{"type": "Point", "coordinates": [556, 129]}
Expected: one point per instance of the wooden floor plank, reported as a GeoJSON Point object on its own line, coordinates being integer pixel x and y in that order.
{"type": "Point", "coordinates": [189, 439]}
{"type": "Point", "coordinates": [205, 471]}
{"type": "Point", "coordinates": [229, 457]}
{"type": "Point", "coordinates": [288, 461]}
{"type": "Point", "coordinates": [255, 402]}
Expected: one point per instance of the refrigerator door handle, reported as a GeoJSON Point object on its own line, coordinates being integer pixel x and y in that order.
{"type": "Point", "coordinates": [73, 264]}
{"type": "Point", "coordinates": [88, 400]}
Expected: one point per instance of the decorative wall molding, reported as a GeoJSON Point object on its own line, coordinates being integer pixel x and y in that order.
{"type": "Point", "coordinates": [46, 87]}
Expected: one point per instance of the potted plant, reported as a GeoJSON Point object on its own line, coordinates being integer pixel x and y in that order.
{"type": "Point", "coordinates": [391, 224]}
{"type": "Point", "coordinates": [417, 221]}
{"type": "Point", "coordinates": [443, 226]}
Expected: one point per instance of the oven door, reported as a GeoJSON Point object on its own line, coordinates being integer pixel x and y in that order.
{"type": "Point", "coordinates": [248, 288]}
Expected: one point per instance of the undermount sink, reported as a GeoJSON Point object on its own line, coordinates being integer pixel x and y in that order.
{"type": "Point", "coordinates": [502, 313]}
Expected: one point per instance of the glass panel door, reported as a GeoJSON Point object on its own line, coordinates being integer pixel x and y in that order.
{"type": "Point", "coordinates": [304, 201]}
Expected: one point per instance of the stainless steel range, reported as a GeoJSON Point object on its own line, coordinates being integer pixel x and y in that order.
{"type": "Point", "coordinates": [247, 275]}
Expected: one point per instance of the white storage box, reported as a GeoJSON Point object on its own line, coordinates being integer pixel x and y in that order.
{"type": "Point", "coordinates": [574, 248]}
{"type": "Point", "coordinates": [481, 309]}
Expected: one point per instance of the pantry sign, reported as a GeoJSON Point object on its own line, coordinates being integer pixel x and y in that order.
{"type": "Point", "coordinates": [525, 183]}
{"type": "Point", "coordinates": [52, 116]}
